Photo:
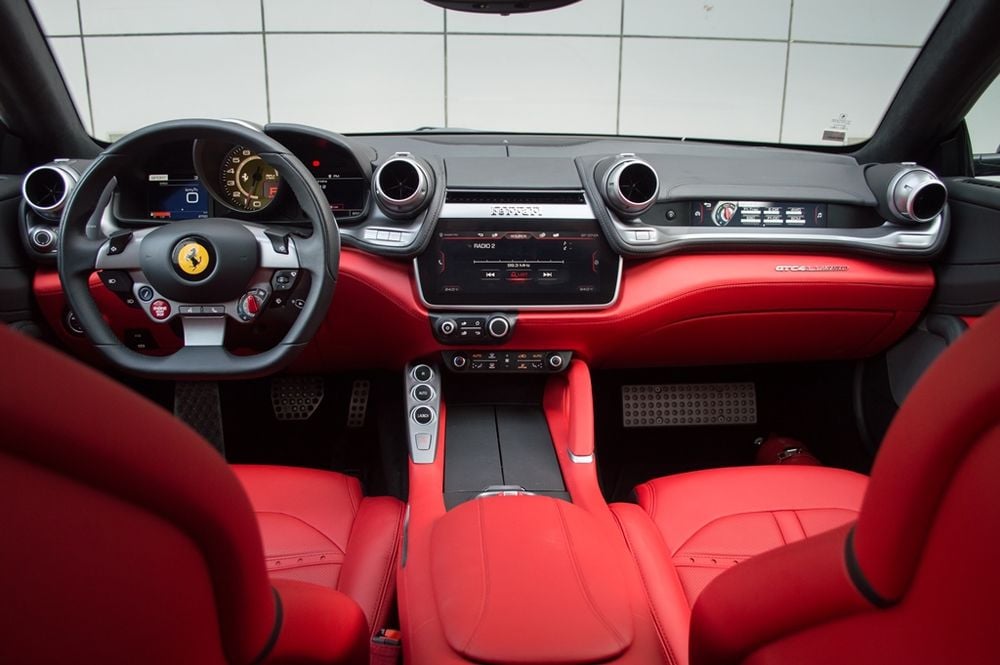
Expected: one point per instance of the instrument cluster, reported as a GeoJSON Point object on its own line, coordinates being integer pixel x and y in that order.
{"type": "Point", "coordinates": [184, 181]}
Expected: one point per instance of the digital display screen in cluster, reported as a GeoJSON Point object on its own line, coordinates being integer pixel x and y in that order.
{"type": "Point", "coordinates": [176, 196]}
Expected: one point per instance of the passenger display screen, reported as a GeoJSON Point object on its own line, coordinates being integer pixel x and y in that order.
{"type": "Point", "coordinates": [513, 263]}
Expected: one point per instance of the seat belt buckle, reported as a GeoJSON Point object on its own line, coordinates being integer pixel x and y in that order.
{"type": "Point", "coordinates": [387, 647]}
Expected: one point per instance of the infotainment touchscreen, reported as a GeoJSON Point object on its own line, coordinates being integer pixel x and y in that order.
{"type": "Point", "coordinates": [518, 262]}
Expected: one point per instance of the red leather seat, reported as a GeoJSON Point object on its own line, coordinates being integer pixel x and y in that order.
{"type": "Point", "coordinates": [127, 539]}
{"type": "Point", "coordinates": [912, 580]}
{"type": "Point", "coordinates": [318, 528]}
{"type": "Point", "coordinates": [712, 520]}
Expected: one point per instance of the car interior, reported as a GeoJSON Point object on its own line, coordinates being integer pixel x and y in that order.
{"type": "Point", "coordinates": [275, 392]}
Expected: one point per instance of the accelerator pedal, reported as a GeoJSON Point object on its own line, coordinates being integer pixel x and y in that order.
{"type": "Point", "coordinates": [296, 397]}
{"type": "Point", "coordinates": [197, 404]}
{"type": "Point", "coordinates": [358, 407]}
{"type": "Point", "coordinates": [687, 404]}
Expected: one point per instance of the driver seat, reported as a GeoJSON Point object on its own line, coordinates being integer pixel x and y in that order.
{"type": "Point", "coordinates": [128, 539]}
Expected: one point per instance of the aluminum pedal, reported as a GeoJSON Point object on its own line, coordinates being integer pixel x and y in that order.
{"type": "Point", "coordinates": [296, 397]}
{"type": "Point", "coordinates": [686, 404]}
{"type": "Point", "coordinates": [358, 407]}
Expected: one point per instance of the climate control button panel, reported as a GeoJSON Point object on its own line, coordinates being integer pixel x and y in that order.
{"type": "Point", "coordinates": [508, 362]}
{"type": "Point", "coordinates": [478, 329]}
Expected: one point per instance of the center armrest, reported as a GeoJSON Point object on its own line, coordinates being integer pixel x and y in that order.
{"type": "Point", "coordinates": [521, 579]}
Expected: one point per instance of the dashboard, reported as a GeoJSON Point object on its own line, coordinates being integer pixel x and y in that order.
{"type": "Point", "coordinates": [508, 222]}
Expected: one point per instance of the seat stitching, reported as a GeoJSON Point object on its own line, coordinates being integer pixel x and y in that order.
{"type": "Point", "coordinates": [579, 578]}
{"type": "Point", "coordinates": [350, 493]}
{"type": "Point", "coordinates": [299, 519]}
{"type": "Point", "coordinates": [664, 643]}
{"type": "Point", "coordinates": [805, 534]}
{"type": "Point", "coordinates": [387, 570]}
{"type": "Point", "coordinates": [753, 512]}
{"type": "Point", "coordinates": [781, 532]}
{"type": "Point", "coordinates": [485, 580]}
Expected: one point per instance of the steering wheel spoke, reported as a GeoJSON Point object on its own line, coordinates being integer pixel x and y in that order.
{"type": "Point", "coordinates": [204, 330]}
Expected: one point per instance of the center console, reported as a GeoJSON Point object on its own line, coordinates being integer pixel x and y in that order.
{"type": "Point", "coordinates": [507, 532]}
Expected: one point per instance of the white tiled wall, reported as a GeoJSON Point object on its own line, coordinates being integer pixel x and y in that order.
{"type": "Point", "coordinates": [767, 70]}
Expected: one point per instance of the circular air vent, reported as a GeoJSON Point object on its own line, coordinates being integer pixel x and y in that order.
{"type": "Point", "coordinates": [402, 185]}
{"type": "Point", "coordinates": [631, 185]}
{"type": "Point", "coordinates": [45, 189]}
{"type": "Point", "coordinates": [917, 195]}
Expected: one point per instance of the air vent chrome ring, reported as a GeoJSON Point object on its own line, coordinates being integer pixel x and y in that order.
{"type": "Point", "coordinates": [46, 188]}
{"type": "Point", "coordinates": [402, 185]}
{"type": "Point", "coordinates": [916, 195]}
{"type": "Point", "coordinates": [631, 185]}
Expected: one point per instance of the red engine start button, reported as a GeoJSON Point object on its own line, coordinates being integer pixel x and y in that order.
{"type": "Point", "coordinates": [160, 309]}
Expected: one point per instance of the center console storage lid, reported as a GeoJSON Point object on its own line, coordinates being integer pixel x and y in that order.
{"type": "Point", "coordinates": [528, 579]}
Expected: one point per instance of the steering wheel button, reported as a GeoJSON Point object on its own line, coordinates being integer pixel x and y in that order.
{"type": "Point", "coordinates": [118, 241]}
{"type": "Point", "coordinates": [145, 293]}
{"type": "Point", "coordinates": [159, 309]}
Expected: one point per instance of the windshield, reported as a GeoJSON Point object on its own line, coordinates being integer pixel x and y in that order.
{"type": "Point", "coordinates": [816, 72]}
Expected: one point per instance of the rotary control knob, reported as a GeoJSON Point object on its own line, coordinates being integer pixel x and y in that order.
{"type": "Point", "coordinates": [556, 361]}
{"type": "Point", "coordinates": [447, 327]}
{"type": "Point", "coordinates": [43, 239]}
{"type": "Point", "coordinates": [459, 361]}
{"type": "Point", "coordinates": [251, 303]}
{"type": "Point", "coordinates": [498, 327]}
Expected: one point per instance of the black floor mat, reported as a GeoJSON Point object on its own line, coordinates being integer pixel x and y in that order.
{"type": "Point", "coordinates": [808, 402]}
{"type": "Point", "coordinates": [255, 436]}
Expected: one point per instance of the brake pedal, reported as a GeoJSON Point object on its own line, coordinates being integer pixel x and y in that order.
{"type": "Point", "coordinates": [358, 407]}
{"type": "Point", "coordinates": [686, 404]}
{"type": "Point", "coordinates": [197, 404]}
{"type": "Point", "coordinates": [296, 397]}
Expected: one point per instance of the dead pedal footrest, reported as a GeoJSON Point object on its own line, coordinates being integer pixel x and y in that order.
{"type": "Point", "coordinates": [686, 404]}
{"type": "Point", "coordinates": [296, 397]}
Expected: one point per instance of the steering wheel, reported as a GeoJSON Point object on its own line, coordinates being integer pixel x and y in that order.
{"type": "Point", "coordinates": [202, 271]}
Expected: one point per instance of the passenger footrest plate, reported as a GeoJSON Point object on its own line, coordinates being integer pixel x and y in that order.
{"type": "Point", "coordinates": [685, 404]}
{"type": "Point", "coordinates": [296, 397]}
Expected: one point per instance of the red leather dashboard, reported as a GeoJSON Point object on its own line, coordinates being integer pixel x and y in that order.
{"type": "Point", "coordinates": [685, 309]}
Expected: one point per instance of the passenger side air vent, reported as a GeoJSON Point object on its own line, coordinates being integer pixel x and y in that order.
{"type": "Point", "coordinates": [518, 198]}
{"type": "Point", "coordinates": [46, 189]}
{"type": "Point", "coordinates": [403, 185]}
{"type": "Point", "coordinates": [630, 185]}
{"type": "Point", "coordinates": [907, 193]}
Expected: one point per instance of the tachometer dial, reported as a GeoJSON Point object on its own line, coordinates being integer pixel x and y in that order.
{"type": "Point", "coordinates": [248, 182]}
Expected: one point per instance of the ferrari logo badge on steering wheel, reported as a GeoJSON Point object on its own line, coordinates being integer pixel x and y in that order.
{"type": "Point", "coordinates": [192, 258]}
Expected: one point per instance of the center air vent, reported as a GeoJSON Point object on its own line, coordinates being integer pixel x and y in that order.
{"type": "Point", "coordinates": [46, 188]}
{"type": "Point", "coordinates": [630, 185]}
{"type": "Point", "coordinates": [402, 185]}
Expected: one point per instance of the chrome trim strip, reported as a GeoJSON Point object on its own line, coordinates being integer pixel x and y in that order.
{"type": "Point", "coordinates": [519, 211]}
{"type": "Point", "coordinates": [886, 238]}
{"type": "Point", "coordinates": [580, 459]}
